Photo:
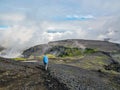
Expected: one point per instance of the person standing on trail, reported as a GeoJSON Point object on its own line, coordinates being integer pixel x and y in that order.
{"type": "Point", "coordinates": [45, 61]}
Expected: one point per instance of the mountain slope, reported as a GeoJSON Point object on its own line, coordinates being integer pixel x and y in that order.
{"type": "Point", "coordinates": [58, 47]}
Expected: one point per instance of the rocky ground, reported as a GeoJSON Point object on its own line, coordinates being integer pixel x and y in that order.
{"type": "Point", "coordinates": [26, 76]}
{"type": "Point", "coordinates": [32, 76]}
{"type": "Point", "coordinates": [80, 79]}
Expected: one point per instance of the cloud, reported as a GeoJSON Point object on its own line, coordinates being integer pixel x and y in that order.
{"type": "Point", "coordinates": [19, 37]}
{"type": "Point", "coordinates": [20, 34]}
{"type": "Point", "coordinates": [12, 17]}
{"type": "Point", "coordinates": [111, 29]}
{"type": "Point", "coordinates": [63, 30]}
{"type": "Point", "coordinates": [99, 28]}
{"type": "Point", "coordinates": [15, 39]}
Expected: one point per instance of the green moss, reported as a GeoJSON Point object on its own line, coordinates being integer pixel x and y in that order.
{"type": "Point", "coordinates": [109, 71]}
{"type": "Point", "coordinates": [51, 56]}
{"type": "Point", "coordinates": [70, 52]}
{"type": "Point", "coordinates": [98, 61]}
{"type": "Point", "coordinates": [87, 65]}
{"type": "Point", "coordinates": [19, 59]}
{"type": "Point", "coordinates": [89, 51]}
{"type": "Point", "coordinates": [94, 63]}
{"type": "Point", "coordinates": [66, 51]}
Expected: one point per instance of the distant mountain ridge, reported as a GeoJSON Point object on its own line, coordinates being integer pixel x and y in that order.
{"type": "Point", "coordinates": [57, 47]}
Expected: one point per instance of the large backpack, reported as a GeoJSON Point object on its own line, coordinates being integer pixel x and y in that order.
{"type": "Point", "coordinates": [45, 59]}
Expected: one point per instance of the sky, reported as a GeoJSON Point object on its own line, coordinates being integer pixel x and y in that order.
{"type": "Point", "coordinates": [25, 23]}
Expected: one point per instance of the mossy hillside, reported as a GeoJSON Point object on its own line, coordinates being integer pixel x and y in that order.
{"type": "Point", "coordinates": [70, 52]}
{"type": "Point", "coordinates": [92, 62]}
{"type": "Point", "coordinates": [62, 51]}
{"type": "Point", "coordinates": [65, 51]}
{"type": "Point", "coordinates": [89, 51]}
{"type": "Point", "coordinates": [85, 62]}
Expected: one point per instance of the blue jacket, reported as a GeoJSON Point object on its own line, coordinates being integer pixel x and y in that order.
{"type": "Point", "coordinates": [45, 60]}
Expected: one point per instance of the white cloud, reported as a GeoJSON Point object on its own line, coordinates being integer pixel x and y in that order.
{"type": "Point", "coordinates": [110, 29]}
{"type": "Point", "coordinates": [71, 30]}
{"type": "Point", "coordinates": [17, 33]}
{"type": "Point", "coordinates": [111, 32]}
{"type": "Point", "coordinates": [99, 28]}
{"type": "Point", "coordinates": [12, 17]}
{"type": "Point", "coordinates": [101, 37]}
{"type": "Point", "coordinates": [25, 34]}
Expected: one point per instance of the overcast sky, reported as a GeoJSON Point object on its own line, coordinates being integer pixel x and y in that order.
{"type": "Point", "coordinates": [25, 23]}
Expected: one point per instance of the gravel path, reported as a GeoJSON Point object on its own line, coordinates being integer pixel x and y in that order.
{"type": "Point", "coordinates": [80, 79]}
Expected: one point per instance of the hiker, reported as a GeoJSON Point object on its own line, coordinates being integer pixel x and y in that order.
{"type": "Point", "coordinates": [45, 61]}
